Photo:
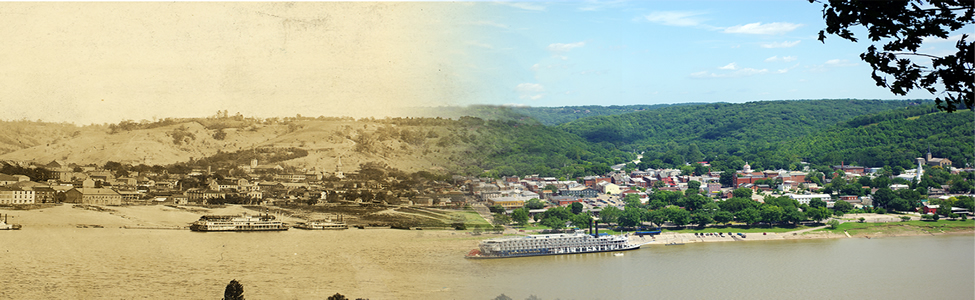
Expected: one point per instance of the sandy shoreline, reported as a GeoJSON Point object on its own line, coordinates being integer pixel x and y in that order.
{"type": "Point", "coordinates": [70, 215]}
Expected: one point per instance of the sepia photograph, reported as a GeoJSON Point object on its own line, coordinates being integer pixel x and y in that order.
{"type": "Point", "coordinates": [597, 149]}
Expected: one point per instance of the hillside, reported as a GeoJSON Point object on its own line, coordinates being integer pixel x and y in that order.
{"type": "Point", "coordinates": [328, 142]}
{"type": "Point", "coordinates": [892, 138]}
{"type": "Point", "coordinates": [674, 135]}
{"type": "Point", "coordinates": [17, 135]}
{"type": "Point", "coordinates": [768, 134]}
{"type": "Point", "coordinates": [544, 115]}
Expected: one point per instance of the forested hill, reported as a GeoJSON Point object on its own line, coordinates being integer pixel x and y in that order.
{"type": "Point", "coordinates": [892, 138]}
{"type": "Point", "coordinates": [674, 135]}
{"type": "Point", "coordinates": [565, 114]}
{"type": "Point", "coordinates": [544, 115]}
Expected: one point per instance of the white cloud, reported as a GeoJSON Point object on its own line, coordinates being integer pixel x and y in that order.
{"type": "Point", "coordinates": [934, 39]}
{"type": "Point", "coordinates": [730, 66]}
{"type": "Point", "coordinates": [739, 73]}
{"type": "Point", "coordinates": [530, 87]}
{"type": "Point", "coordinates": [530, 91]}
{"type": "Point", "coordinates": [840, 63]}
{"type": "Point", "coordinates": [759, 28]}
{"type": "Point", "coordinates": [782, 59]}
{"type": "Point", "coordinates": [675, 18]}
{"type": "Point", "coordinates": [560, 47]}
{"type": "Point", "coordinates": [780, 44]}
{"type": "Point", "coordinates": [523, 5]}
{"type": "Point", "coordinates": [596, 5]}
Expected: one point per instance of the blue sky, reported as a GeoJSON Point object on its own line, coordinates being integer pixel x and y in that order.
{"type": "Point", "coordinates": [650, 52]}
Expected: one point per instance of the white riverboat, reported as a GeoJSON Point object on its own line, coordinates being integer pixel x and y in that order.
{"type": "Point", "coordinates": [241, 222]}
{"type": "Point", "coordinates": [321, 225]}
{"type": "Point", "coordinates": [551, 244]}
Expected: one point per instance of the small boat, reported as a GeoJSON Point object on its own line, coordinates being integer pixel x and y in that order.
{"type": "Point", "coordinates": [674, 244]}
{"type": "Point", "coordinates": [5, 226]}
{"type": "Point", "coordinates": [618, 254]}
{"type": "Point", "coordinates": [321, 225]}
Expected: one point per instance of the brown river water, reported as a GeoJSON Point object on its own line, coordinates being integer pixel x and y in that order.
{"type": "Point", "coordinates": [114, 263]}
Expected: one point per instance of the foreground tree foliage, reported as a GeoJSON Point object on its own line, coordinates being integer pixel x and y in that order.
{"type": "Point", "coordinates": [905, 25]}
{"type": "Point", "coordinates": [234, 291]}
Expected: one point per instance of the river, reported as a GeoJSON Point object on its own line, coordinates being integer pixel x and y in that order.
{"type": "Point", "coordinates": [113, 263]}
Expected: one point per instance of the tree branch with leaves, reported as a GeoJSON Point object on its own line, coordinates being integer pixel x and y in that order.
{"type": "Point", "coordinates": [903, 26]}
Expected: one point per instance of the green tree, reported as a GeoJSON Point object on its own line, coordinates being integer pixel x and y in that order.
{"type": "Point", "coordinates": [727, 179]}
{"type": "Point", "coordinates": [581, 220]}
{"type": "Point", "coordinates": [554, 222]}
{"type": "Point", "coordinates": [576, 208]}
{"type": "Point", "coordinates": [678, 216]}
{"type": "Point", "coordinates": [737, 204]}
{"type": "Point", "coordinates": [610, 214]}
{"type": "Point", "coordinates": [502, 219]}
{"type": "Point", "coordinates": [534, 204]}
{"type": "Point", "coordinates": [657, 217]}
{"type": "Point", "coordinates": [748, 216]}
{"type": "Point", "coordinates": [696, 201]}
{"type": "Point", "coordinates": [520, 216]}
{"type": "Point", "coordinates": [631, 216]}
{"type": "Point", "coordinates": [723, 217]}
{"type": "Point", "coordinates": [693, 185]}
{"type": "Point", "coordinates": [816, 202]}
{"type": "Point", "coordinates": [842, 206]}
{"type": "Point", "coordinates": [904, 26]}
{"type": "Point", "coordinates": [793, 215]}
{"type": "Point", "coordinates": [883, 197]}
{"type": "Point", "coordinates": [832, 224]}
{"type": "Point", "coordinates": [742, 193]}
{"type": "Point", "coordinates": [701, 218]}
{"type": "Point", "coordinates": [771, 214]}
{"type": "Point", "coordinates": [818, 214]}
{"type": "Point", "coordinates": [632, 200]}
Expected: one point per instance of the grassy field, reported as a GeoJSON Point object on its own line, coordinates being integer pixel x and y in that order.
{"type": "Point", "coordinates": [470, 217]}
{"type": "Point", "coordinates": [909, 227]}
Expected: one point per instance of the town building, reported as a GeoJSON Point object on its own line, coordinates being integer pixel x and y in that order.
{"type": "Point", "coordinates": [93, 196]}
{"type": "Point", "coordinates": [14, 195]}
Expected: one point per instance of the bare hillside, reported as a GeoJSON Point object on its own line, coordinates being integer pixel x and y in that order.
{"type": "Point", "coordinates": [17, 135]}
{"type": "Point", "coordinates": [341, 144]}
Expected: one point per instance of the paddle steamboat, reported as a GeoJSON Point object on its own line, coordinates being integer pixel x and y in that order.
{"type": "Point", "coordinates": [243, 222]}
{"type": "Point", "coordinates": [551, 244]}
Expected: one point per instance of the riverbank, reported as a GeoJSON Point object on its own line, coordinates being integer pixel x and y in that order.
{"type": "Point", "coordinates": [91, 216]}
{"type": "Point", "coordinates": [845, 230]}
